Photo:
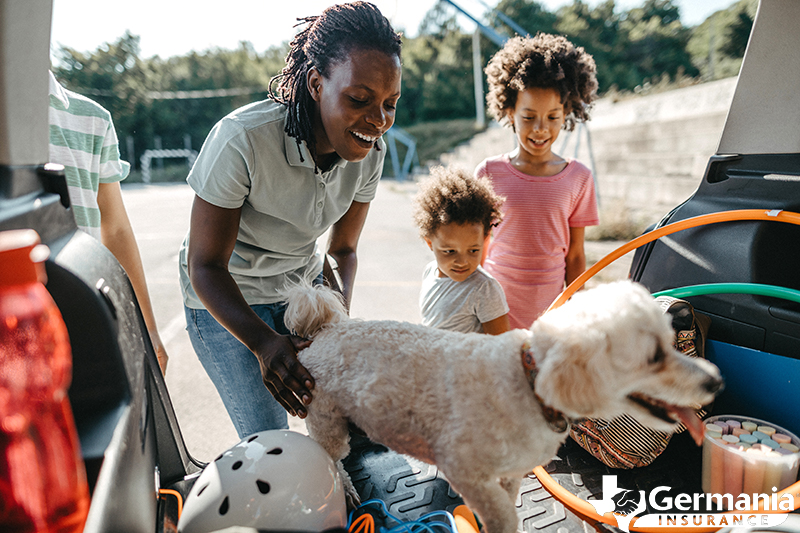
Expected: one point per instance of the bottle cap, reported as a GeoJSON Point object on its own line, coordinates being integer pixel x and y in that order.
{"type": "Point", "coordinates": [21, 258]}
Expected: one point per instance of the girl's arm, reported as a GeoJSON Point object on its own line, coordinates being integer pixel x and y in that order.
{"type": "Point", "coordinates": [212, 237]}
{"type": "Point", "coordinates": [116, 234]}
{"type": "Point", "coordinates": [497, 326]}
{"type": "Point", "coordinates": [342, 246]}
{"type": "Point", "coordinates": [576, 257]}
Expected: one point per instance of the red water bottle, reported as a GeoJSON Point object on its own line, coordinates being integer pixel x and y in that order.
{"type": "Point", "coordinates": [42, 477]}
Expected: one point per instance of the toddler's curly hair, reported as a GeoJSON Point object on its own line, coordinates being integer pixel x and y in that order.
{"type": "Point", "coordinates": [543, 62]}
{"type": "Point", "coordinates": [453, 196]}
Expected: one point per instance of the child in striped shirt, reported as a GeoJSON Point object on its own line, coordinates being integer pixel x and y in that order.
{"type": "Point", "coordinates": [84, 141]}
{"type": "Point", "coordinates": [539, 85]}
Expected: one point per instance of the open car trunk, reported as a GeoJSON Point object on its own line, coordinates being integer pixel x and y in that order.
{"type": "Point", "coordinates": [130, 439]}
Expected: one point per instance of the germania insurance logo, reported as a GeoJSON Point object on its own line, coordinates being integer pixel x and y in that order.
{"type": "Point", "coordinates": [694, 510]}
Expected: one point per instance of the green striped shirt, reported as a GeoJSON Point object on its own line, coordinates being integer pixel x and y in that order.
{"type": "Point", "coordinates": [82, 138]}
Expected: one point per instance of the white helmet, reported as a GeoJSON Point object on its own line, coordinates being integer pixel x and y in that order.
{"type": "Point", "coordinates": [279, 480]}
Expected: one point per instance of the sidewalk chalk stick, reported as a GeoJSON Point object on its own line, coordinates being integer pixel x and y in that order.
{"type": "Point", "coordinates": [750, 426]}
{"type": "Point", "coordinates": [705, 476]}
{"type": "Point", "coordinates": [748, 438]}
{"type": "Point", "coordinates": [760, 435]}
{"type": "Point", "coordinates": [754, 467]}
{"type": "Point", "coordinates": [780, 438]}
{"type": "Point", "coordinates": [771, 443]}
{"type": "Point", "coordinates": [733, 472]}
{"type": "Point", "coordinates": [717, 462]}
{"type": "Point", "coordinates": [773, 473]}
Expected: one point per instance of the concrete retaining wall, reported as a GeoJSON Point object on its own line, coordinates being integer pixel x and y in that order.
{"type": "Point", "coordinates": [649, 153]}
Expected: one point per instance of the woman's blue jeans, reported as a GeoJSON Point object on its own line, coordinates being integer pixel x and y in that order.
{"type": "Point", "coordinates": [234, 369]}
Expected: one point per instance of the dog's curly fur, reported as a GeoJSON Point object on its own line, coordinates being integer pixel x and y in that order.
{"type": "Point", "coordinates": [463, 401]}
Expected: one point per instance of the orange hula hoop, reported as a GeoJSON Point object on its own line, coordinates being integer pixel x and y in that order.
{"type": "Point", "coordinates": [581, 507]}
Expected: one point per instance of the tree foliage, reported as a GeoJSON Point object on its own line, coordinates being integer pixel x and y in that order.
{"type": "Point", "coordinates": [150, 98]}
{"type": "Point", "coordinates": [717, 45]}
{"type": "Point", "coordinates": [155, 97]}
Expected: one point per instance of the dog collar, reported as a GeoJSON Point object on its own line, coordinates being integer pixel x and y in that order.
{"type": "Point", "coordinates": [555, 418]}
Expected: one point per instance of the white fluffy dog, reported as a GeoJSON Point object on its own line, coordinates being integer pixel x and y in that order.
{"type": "Point", "coordinates": [487, 409]}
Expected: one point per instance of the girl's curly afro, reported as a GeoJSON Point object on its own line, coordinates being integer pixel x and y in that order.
{"type": "Point", "coordinates": [546, 62]}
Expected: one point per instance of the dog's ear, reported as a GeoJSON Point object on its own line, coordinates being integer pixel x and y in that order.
{"type": "Point", "coordinates": [569, 376]}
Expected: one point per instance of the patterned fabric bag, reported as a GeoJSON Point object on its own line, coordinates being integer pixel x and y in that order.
{"type": "Point", "coordinates": [623, 442]}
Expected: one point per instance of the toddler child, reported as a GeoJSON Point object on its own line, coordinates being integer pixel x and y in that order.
{"type": "Point", "coordinates": [539, 85]}
{"type": "Point", "coordinates": [455, 213]}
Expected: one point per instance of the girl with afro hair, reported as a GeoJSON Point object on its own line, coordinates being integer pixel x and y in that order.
{"type": "Point", "coordinates": [539, 86]}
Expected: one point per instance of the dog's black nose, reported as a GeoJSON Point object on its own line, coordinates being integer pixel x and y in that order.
{"type": "Point", "coordinates": [714, 385]}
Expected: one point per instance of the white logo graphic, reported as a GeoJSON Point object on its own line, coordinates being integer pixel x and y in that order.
{"type": "Point", "coordinates": [694, 510]}
{"type": "Point", "coordinates": [625, 504]}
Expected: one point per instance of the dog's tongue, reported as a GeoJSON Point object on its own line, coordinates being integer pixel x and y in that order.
{"type": "Point", "coordinates": [690, 420]}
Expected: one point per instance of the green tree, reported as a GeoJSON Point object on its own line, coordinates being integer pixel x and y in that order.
{"type": "Point", "coordinates": [114, 76]}
{"type": "Point", "coordinates": [717, 45]}
{"type": "Point", "coordinates": [738, 35]}
{"type": "Point", "coordinates": [154, 97]}
{"type": "Point", "coordinates": [656, 41]}
{"type": "Point", "coordinates": [437, 71]}
{"type": "Point", "coordinates": [532, 16]}
{"type": "Point", "coordinates": [176, 109]}
{"type": "Point", "coordinates": [598, 32]}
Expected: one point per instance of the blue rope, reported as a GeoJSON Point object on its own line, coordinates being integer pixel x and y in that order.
{"type": "Point", "coordinates": [424, 523]}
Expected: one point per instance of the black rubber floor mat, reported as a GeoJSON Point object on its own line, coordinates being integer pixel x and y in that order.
{"type": "Point", "coordinates": [411, 489]}
{"type": "Point", "coordinates": [678, 468]}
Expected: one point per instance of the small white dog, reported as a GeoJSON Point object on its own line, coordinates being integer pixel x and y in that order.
{"type": "Point", "coordinates": [487, 409]}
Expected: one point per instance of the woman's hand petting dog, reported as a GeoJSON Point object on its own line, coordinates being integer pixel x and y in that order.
{"type": "Point", "coordinates": [285, 378]}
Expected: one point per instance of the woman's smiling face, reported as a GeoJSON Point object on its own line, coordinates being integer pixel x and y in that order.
{"type": "Point", "coordinates": [355, 103]}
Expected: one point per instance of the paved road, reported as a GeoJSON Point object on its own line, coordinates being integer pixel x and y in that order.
{"type": "Point", "coordinates": [391, 260]}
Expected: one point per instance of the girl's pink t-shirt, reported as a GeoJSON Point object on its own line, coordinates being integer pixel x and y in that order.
{"type": "Point", "coordinates": [528, 251]}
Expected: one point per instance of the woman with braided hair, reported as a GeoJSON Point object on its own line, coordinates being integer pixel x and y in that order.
{"type": "Point", "coordinates": [270, 179]}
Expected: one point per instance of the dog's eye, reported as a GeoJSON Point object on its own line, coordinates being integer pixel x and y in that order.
{"type": "Point", "coordinates": [658, 357]}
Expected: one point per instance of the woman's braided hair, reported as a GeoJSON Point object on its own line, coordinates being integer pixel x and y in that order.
{"type": "Point", "coordinates": [544, 62]}
{"type": "Point", "coordinates": [326, 41]}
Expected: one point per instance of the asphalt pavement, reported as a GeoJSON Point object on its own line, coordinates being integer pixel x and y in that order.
{"type": "Point", "coordinates": [391, 260]}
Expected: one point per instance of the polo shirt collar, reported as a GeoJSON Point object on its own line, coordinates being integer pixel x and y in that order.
{"type": "Point", "coordinates": [293, 155]}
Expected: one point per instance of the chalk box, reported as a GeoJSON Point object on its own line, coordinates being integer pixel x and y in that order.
{"type": "Point", "coordinates": [727, 469]}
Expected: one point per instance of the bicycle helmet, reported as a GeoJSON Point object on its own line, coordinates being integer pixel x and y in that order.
{"type": "Point", "coordinates": [271, 480]}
